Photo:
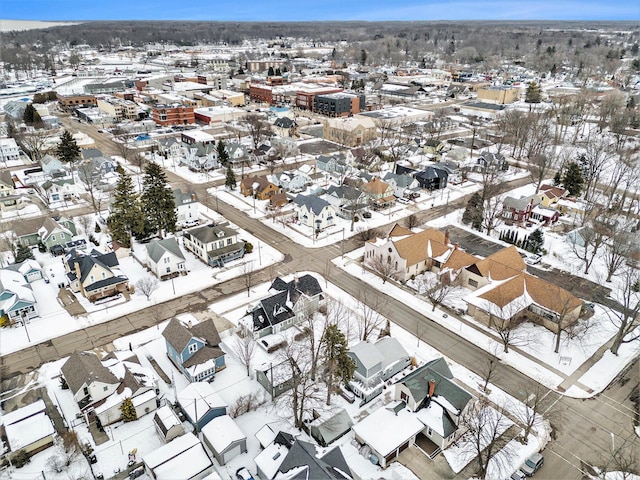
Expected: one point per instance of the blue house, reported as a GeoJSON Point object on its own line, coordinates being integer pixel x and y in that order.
{"type": "Point", "coordinates": [194, 349]}
{"type": "Point", "coordinates": [200, 404]}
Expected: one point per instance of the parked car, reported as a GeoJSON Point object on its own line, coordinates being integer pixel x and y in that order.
{"type": "Point", "coordinates": [532, 464]}
{"type": "Point", "coordinates": [532, 259]}
{"type": "Point", "coordinates": [518, 475]}
{"type": "Point", "coordinates": [366, 214]}
{"type": "Point", "coordinates": [243, 474]}
{"type": "Point", "coordinates": [403, 200]}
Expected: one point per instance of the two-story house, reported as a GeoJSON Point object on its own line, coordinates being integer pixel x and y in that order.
{"type": "Point", "coordinates": [259, 187]}
{"type": "Point", "coordinates": [379, 192]}
{"type": "Point", "coordinates": [32, 231]}
{"type": "Point", "coordinates": [95, 275]}
{"type": "Point", "coordinates": [215, 245]}
{"type": "Point", "coordinates": [88, 379]}
{"type": "Point", "coordinates": [314, 212]}
{"type": "Point", "coordinates": [9, 151]}
{"type": "Point", "coordinates": [375, 364]}
{"type": "Point", "coordinates": [165, 258]}
{"type": "Point", "coordinates": [17, 301]}
{"type": "Point", "coordinates": [403, 185]}
{"type": "Point", "coordinates": [6, 184]}
{"type": "Point", "coordinates": [518, 210]}
{"type": "Point", "coordinates": [187, 208]}
{"type": "Point", "coordinates": [53, 167]}
{"type": "Point", "coordinates": [57, 190]}
{"type": "Point", "coordinates": [550, 195]}
{"type": "Point", "coordinates": [407, 252]}
{"type": "Point", "coordinates": [194, 349]}
{"type": "Point", "coordinates": [347, 200]}
{"type": "Point", "coordinates": [289, 304]}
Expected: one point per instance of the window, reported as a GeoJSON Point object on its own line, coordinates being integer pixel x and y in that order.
{"type": "Point", "coordinates": [404, 397]}
{"type": "Point", "coordinates": [193, 348]}
{"type": "Point", "coordinates": [53, 237]}
{"type": "Point", "coordinates": [429, 431]}
{"type": "Point", "coordinates": [62, 235]}
{"type": "Point", "coordinates": [105, 388]}
{"type": "Point", "coordinates": [104, 275]}
{"type": "Point", "coordinates": [473, 283]}
{"type": "Point", "coordinates": [166, 260]}
{"type": "Point", "coordinates": [168, 269]}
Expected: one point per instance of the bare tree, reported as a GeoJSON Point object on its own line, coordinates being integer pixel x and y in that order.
{"type": "Point", "coordinates": [437, 288]}
{"type": "Point", "coordinates": [488, 371]}
{"type": "Point", "coordinates": [86, 222]}
{"type": "Point", "coordinates": [35, 142]}
{"type": "Point", "coordinates": [540, 166]}
{"type": "Point", "coordinates": [482, 439]}
{"type": "Point", "coordinates": [304, 394]}
{"type": "Point", "coordinates": [624, 461]}
{"type": "Point", "coordinates": [530, 413]}
{"type": "Point", "coordinates": [365, 234]}
{"type": "Point", "coordinates": [123, 143]}
{"type": "Point", "coordinates": [627, 318]}
{"type": "Point", "coordinates": [385, 267]}
{"type": "Point", "coordinates": [566, 317]}
{"type": "Point", "coordinates": [257, 128]}
{"type": "Point", "coordinates": [247, 271]}
{"type": "Point", "coordinates": [412, 221]}
{"type": "Point", "coordinates": [617, 248]}
{"type": "Point", "coordinates": [90, 178]}
{"type": "Point", "coordinates": [147, 285]}
{"type": "Point", "coordinates": [244, 348]}
{"type": "Point", "coordinates": [596, 157]}
{"type": "Point", "coordinates": [369, 318]}
{"type": "Point", "coordinates": [492, 213]}
{"type": "Point", "coordinates": [593, 237]}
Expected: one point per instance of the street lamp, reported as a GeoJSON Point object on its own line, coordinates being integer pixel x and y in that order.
{"type": "Point", "coordinates": [343, 242]}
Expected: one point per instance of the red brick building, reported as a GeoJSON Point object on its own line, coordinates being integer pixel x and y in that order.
{"type": "Point", "coordinates": [175, 114]}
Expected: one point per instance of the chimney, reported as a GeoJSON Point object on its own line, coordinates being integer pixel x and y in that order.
{"type": "Point", "coordinates": [432, 388]}
{"type": "Point", "coordinates": [456, 246]}
{"type": "Point", "coordinates": [193, 197]}
{"type": "Point", "coordinates": [446, 237]}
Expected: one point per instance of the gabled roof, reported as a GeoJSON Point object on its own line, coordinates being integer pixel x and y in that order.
{"type": "Point", "coordinates": [313, 203]}
{"type": "Point", "coordinates": [375, 186]}
{"type": "Point", "coordinates": [284, 122]}
{"type": "Point", "coordinates": [329, 465]}
{"type": "Point", "coordinates": [157, 248]}
{"type": "Point", "coordinates": [6, 178]}
{"type": "Point", "coordinates": [179, 335]}
{"type": "Point", "coordinates": [87, 262]}
{"type": "Point", "coordinates": [429, 243]}
{"type": "Point", "coordinates": [436, 370]}
{"type": "Point", "coordinates": [86, 367]}
{"type": "Point", "coordinates": [211, 233]}
{"type": "Point", "coordinates": [184, 198]}
{"type": "Point", "coordinates": [262, 181]}
{"type": "Point", "coordinates": [503, 264]}
{"type": "Point", "coordinates": [552, 191]}
{"type": "Point", "coordinates": [459, 259]}
{"type": "Point", "coordinates": [522, 203]}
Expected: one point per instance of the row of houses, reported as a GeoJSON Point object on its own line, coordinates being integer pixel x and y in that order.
{"type": "Point", "coordinates": [502, 289]}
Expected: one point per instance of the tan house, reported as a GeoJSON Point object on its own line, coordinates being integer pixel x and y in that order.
{"type": "Point", "coordinates": [94, 275]}
{"type": "Point", "coordinates": [410, 253]}
{"type": "Point", "coordinates": [350, 132]}
{"type": "Point", "coordinates": [550, 195]}
{"type": "Point", "coordinates": [260, 187]}
{"type": "Point", "coordinates": [379, 192]}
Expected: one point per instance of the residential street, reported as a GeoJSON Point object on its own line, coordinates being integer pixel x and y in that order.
{"type": "Point", "coordinates": [584, 428]}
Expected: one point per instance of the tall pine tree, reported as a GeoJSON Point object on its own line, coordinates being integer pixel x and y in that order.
{"type": "Point", "coordinates": [340, 366]}
{"type": "Point", "coordinates": [68, 150]}
{"type": "Point", "coordinates": [126, 217]}
{"type": "Point", "coordinates": [573, 180]}
{"type": "Point", "coordinates": [230, 181]}
{"type": "Point", "coordinates": [535, 241]}
{"type": "Point", "coordinates": [474, 212]}
{"type": "Point", "coordinates": [158, 204]}
{"type": "Point", "coordinates": [223, 156]}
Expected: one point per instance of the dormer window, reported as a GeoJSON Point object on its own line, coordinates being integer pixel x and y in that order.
{"type": "Point", "coordinates": [193, 348]}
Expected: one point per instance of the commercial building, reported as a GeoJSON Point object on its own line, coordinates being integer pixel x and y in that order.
{"type": "Point", "coordinates": [174, 114]}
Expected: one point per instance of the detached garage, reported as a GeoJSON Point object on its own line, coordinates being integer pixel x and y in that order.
{"type": "Point", "coordinates": [222, 437]}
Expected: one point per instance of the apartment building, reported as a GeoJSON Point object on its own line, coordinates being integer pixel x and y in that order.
{"type": "Point", "coordinates": [118, 108]}
{"type": "Point", "coordinates": [174, 114]}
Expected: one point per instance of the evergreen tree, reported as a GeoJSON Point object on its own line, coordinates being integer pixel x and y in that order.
{"type": "Point", "coordinates": [126, 217]}
{"type": "Point", "coordinates": [535, 242]}
{"type": "Point", "coordinates": [573, 180]}
{"type": "Point", "coordinates": [22, 253]}
{"type": "Point", "coordinates": [68, 150]}
{"type": "Point", "coordinates": [230, 181]}
{"type": "Point", "coordinates": [128, 411]}
{"type": "Point", "coordinates": [223, 156]}
{"type": "Point", "coordinates": [557, 178]}
{"type": "Point", "coordinates": [363, 57]}
{"type": "Point", "coordinates": [158, 204]}
{"type": "Point", "coordinates": [30, 115]}
{"type": "Point", "coordinates": [270, 72]}
{"type": "Point", "coordinates": [534, 93]}
{"type": "Point", "coordinates": [474, 212]}
{"type": "Point", "coordinates": [340, 366]}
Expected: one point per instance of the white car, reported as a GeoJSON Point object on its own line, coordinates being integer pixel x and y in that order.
{"type": "Point", "coordinates": [532, 259]}
{"type": "Point", "coordinates": [403, 201]}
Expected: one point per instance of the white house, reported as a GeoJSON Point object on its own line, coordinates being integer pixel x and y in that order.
{"type": "Point", "coordinates": [9, 151]}
{"type": "Point", "coordinates": [58, 190]}
{"type": "Point", "coordinates": [315, 212]}
{"type": "Point", "coordinates": [187, 208]}
{"type": "Point", "coordinates": [165, 259]}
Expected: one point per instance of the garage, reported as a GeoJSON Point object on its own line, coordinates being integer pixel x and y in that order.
{"type": "Point", "coordinates": [223, 439]}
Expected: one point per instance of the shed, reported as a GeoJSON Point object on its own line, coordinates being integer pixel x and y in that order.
{"type": "Point", "coordinates": [330, 426]}
{"type": "Point", "coordinates": [167, 424]}
{"type": "Point", "coordinates": [222, 437]}
{"type": "Point", "coordinates": [200, 403]}
{"type": "Point", "coordinates": [184, 458]}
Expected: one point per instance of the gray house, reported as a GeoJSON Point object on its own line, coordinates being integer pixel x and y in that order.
{"type": "Point", "coordinates": [314, 212]}
{"type": "Point", "coordinates": [215, 245]}
{"type": "Point", "coordinates": [375, 364]}
{"type": "Point", "coordinates": [222, 437]}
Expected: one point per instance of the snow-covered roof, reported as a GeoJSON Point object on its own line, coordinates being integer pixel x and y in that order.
{"type": "Point", "coordinates": [28, 431]}
{"type": "Point", "coordinates": [183, 457]}
{"type": "Point", "coordinates": [24, 412]}
{"type": "Point", "coordinates": [270, 459]}
{"type": "Point", "coordinates": [198, 398]}
{"type": "Point", "coordinates": [222, 432]}
{"type": "Point", "coordinates": [113, 400]}
{"type": "Point", "coordinates": [384, 430]}
{"type": "Point", "coordinates": [265, 435]}
{"type": "Point", "coordinates": [167, 417]}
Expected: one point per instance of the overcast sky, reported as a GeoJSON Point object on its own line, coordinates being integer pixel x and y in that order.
{"type": "Point", "coordinates": [291, 10]}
